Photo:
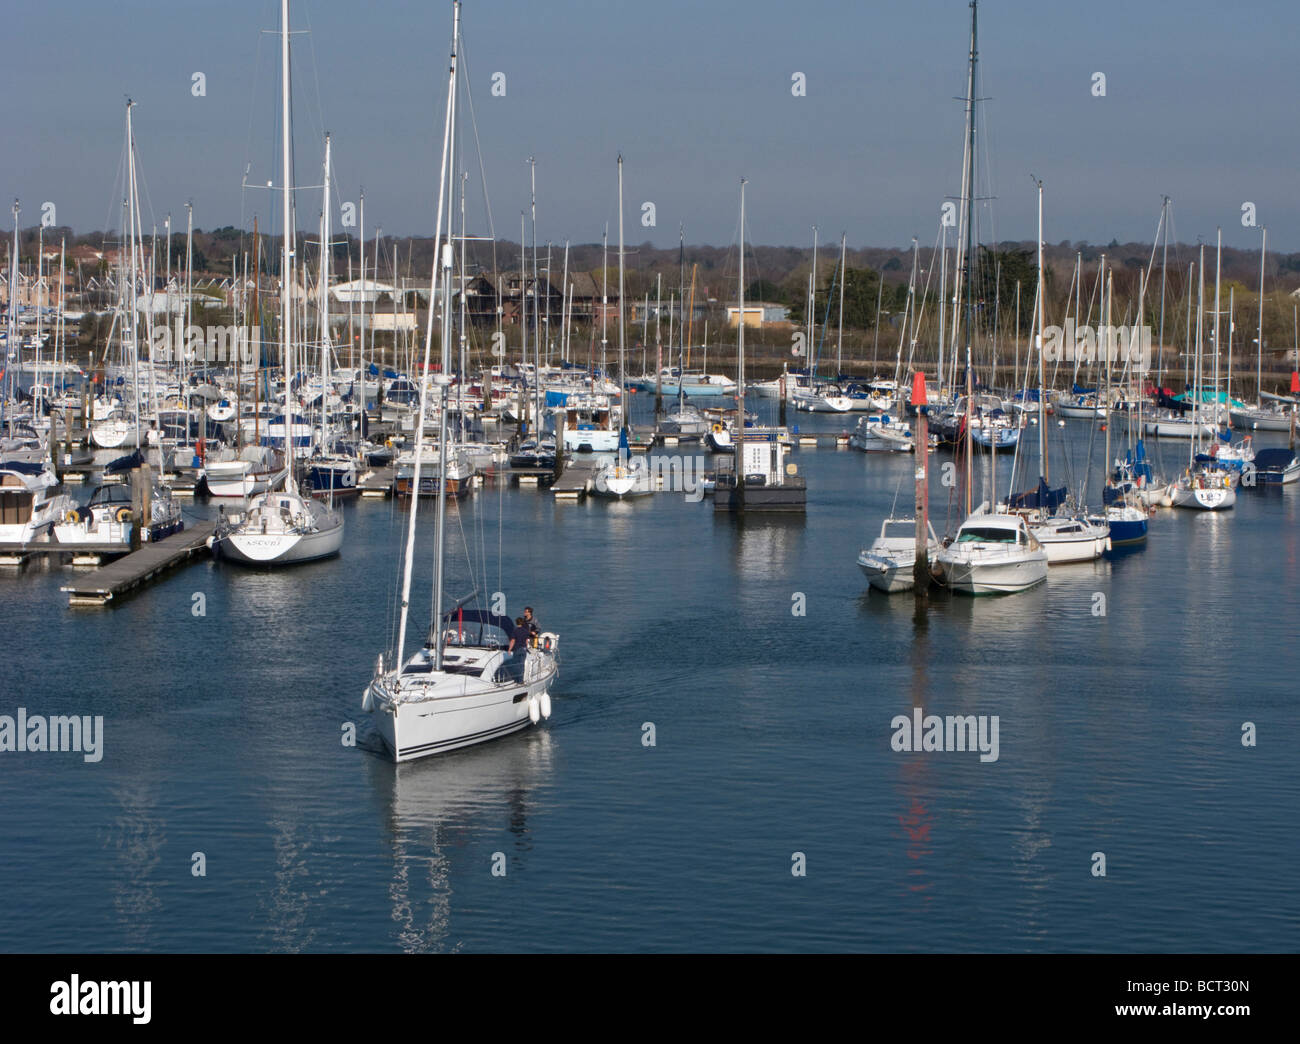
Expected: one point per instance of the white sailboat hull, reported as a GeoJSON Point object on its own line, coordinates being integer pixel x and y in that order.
{"type": "Point", "coordinates": [279, 548]}
{"type": "Point", "coordinates": [1006, 576]}
{"type": "Point", "coordinates": [446, 721]}
{"type": "Point", "coordinates": [238, 479]}
{"type": "Point", "coordinates": [1209, 498]}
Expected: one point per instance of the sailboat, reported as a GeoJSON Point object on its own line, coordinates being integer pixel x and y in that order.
{"type": "Point", "coordinates": [621, 477]}
{"type": "Point", "coordinates": [281, 527]}
{"type": "Point", "coordinates": [1066, 536]}
{"type": "Point", "coordinates": [991, 553]}
{"type": "Point", "coordinates": [464, 685]}
{"type": "Point", "coordinates": [760, 478]}
{"type": "Point", "coordinates": [888, 563]}
{"type": "Point", "coordinates": [1204, 486]}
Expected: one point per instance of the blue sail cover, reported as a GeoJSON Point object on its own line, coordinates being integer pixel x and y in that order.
{"type": "Point", "coordinates": [1273, 459]}
{"type": "Point", "coordinates": [1042, 497]}
{"type": "Point", "coordinates": [131, 460]}
{"type": "Point", "coordinates": [1079, 389]}
{"type": "Point", "coordinates": [554, 398]}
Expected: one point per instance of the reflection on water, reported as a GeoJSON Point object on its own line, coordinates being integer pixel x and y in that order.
{"type": "Point", "coordinates": [136, 836]}
{"type": "Point", "coordinates": [435, 807]}
{"type": "Point", "coordinates": [1120, 731]}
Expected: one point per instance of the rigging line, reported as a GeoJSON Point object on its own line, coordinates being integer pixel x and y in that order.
{"type": "Point", "coordinates": [478, 149]}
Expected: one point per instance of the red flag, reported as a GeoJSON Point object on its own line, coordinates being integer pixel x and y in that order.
{"type": "Point", "coordinates": [918, 389]}
{"type": "Point", "coordinates": [1295, 382]}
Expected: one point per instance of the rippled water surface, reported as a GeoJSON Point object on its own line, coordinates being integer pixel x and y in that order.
{"type": "Point", "coordinates": [1119, 733]}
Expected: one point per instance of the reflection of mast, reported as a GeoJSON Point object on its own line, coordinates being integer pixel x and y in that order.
{"type": "Point", "coordinates": [917, 819]}
{"type": "Point", "coordinates": [486, 793]}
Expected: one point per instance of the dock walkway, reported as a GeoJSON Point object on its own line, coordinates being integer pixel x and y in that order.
{"type": "Point", "coordinates": [102, 585]}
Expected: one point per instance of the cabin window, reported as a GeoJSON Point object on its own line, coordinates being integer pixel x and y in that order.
{"type": "Point", "coordinates": [977, 534]}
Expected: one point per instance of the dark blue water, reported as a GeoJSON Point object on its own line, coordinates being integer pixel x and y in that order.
{"type": "Point", "coordinates": [1119, 734]}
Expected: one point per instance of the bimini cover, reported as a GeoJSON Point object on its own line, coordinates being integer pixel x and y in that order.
{"type": "Point", "coordinates": [479, 627]}
{"type": "Point", "coordinates": [131, 460]}
{"type": "Point", "coordinates": [1042, 497]}
{"type": "Point", "coordinates": [1273, 459]}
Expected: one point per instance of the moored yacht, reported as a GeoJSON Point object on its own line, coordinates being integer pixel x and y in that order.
{"type": "Point", "coordinates": [890, 560]}
{"type": "Point", "coordinates": [993, 554]}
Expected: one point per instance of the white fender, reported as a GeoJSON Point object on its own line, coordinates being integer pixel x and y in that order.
{"type": "Point", "coordinates": [534, 712]}
{"type": "Point", "coordinates": [544, 701]}
{"type": "Point", "coordinates": [367, 701]}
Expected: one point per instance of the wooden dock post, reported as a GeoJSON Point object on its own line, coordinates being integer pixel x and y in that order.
{"type": "Point", "coordinates": [67, 433]}
{"type": "Point", "coordinates": [560, 418]}
{"type": "Point", "coordinates": [137, 509]}
{"type": "Point", "coordinates": [54, 448]}
{"type": "Point", "coordinates": [921, 445]}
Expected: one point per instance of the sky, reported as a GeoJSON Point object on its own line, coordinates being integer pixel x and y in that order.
{"type": "Point", "coordinates": [1198, 105]}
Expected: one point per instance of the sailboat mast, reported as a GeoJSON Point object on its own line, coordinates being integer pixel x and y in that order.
{"type": "Point", "coordinates": [361, 351]}
{"type": "Point", "coordinates": [739, 470]}
{"type": "Point", "coordinates": [622, 347]}
{"type": "Point", "coordinates": [286, 272]}
{"type": "Point", "coordinates": [1164, 263]}
{"type": "Point", "coordinates": [325, 304]}
{"type": "Point", "coordinates": [812, 293]}
{"type": "Point", "coordinates": [1042, 376]}
{"type": "Point", "coordinates": [1108, 340]}
{"type": "Point", "coordinates": [839, 346]}
{"type": "Point", "coordinates": [428, 348]}
{"type": "Point", "coordinates": [970, 240]}
{"type": "Point", "coordinates": [1259, 344]}
{"type": "Point", "coordinates": [445, 336]}
{"type": "Point", "coordinates": [1218, 268]}
{"type": "Point", "coordinates": [135, 311]}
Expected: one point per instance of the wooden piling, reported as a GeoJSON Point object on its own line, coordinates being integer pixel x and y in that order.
{"type": "Point", "coordinates": [137, 508]}
{"type": "Point", "coordinates": [921, 568]}
{"type": "Point", "coordinates": [560, 419]}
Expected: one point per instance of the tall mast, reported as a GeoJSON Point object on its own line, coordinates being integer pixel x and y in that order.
{"type": "Point", "coordinates": [968, 261]}
{"type": "Point", "coordinates": [286, 264]}
{"type": "Point", "coordinates": [1218, 261]}
{"type": "Point", "coordinates": [537, 334]}
{"type": "Point", "coordinates": [1164, 262]}
{"type": "Point", "coordinates": [839, 346]}
{"type": "Point", "coordinates": [325, 301]}
{"type": "Point", "coordinates": [943, 302]}
{"type": "Point", "coordinates": [1109, 340]}
{"type": "Point", "coordinates": [1196, 370]}
{"type": "Point", "coordinates": [135, 348]}
{"type": "Point", "coordinates": [445, 337]}
{"type": "Point", "coordinates": [361, 432]}
{"type": "Point", "coordinates": [1259, 354]}
{"type": "Point", "coordinates": [812, 293]}
{"type": "Point", "coordinates": [441, 258]}
{"type": "Point", "coordinates": [622, 378]}
{"type": "Point", "coordinates": [1038, 320]}
{"type": "Point", "coordinates": [739, 469]}
{"type": "Point", "coordinates": [970, 180]}
{"type": "Point", "coordinates": [12, 351]}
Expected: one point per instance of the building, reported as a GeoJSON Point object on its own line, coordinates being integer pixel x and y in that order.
{"type": "Point", "coordinates": [758, 314]}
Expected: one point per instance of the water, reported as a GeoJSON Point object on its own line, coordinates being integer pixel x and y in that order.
{"type": "Point", "coordinates": [1118, 734]}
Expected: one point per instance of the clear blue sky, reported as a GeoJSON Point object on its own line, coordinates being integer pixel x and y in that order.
{"type": "Point", "coordinates": [1199, 105]}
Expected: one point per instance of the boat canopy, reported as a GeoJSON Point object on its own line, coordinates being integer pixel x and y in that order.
{"type": "Point", "coordinates": [478, 627]}
{"type": "Point", "coordinates": [1275, 458]}
{"type": "Point", "coordinates": [1041, 497]}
